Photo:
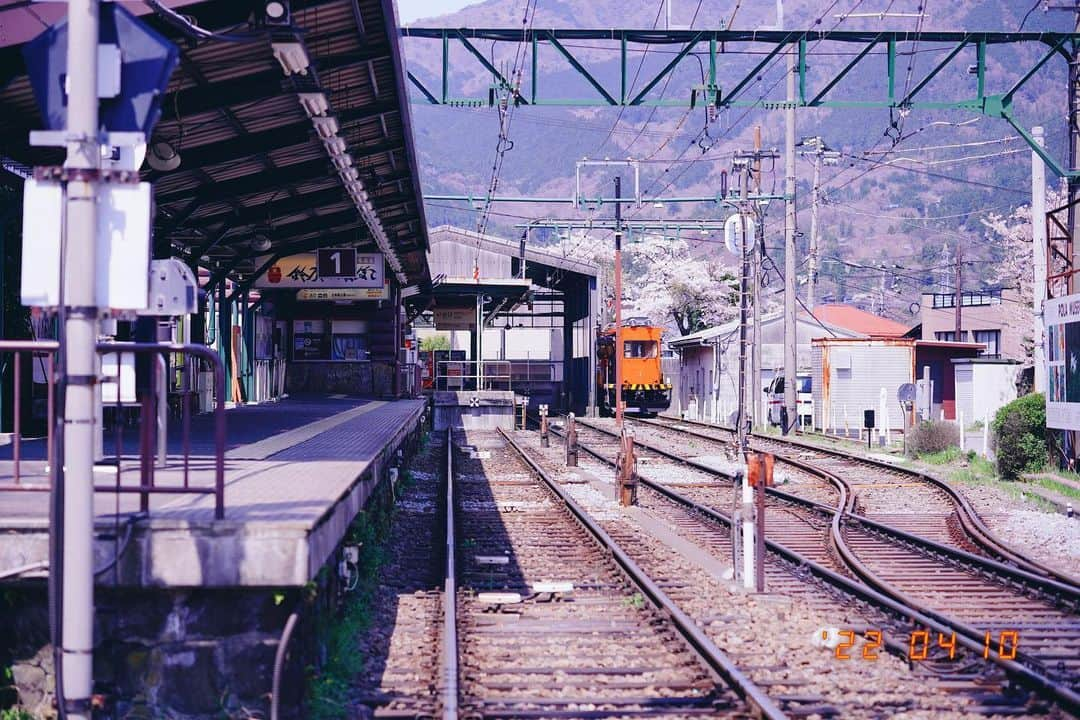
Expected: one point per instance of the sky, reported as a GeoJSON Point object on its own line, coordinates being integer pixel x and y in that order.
{"type": "Point", "coordinates": [410, 10]}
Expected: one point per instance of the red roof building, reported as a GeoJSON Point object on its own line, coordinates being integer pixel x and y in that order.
{"type": "Point", "coordinates": [859, 321]}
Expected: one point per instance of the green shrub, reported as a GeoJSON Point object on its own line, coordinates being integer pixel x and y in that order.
{"type": "Point", "coordinates": [1020, 436]}
{"type": "Point", "coordinates": [932, 436]}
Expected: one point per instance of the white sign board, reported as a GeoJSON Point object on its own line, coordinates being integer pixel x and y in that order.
{"type": "Point", "coordinates": [455, 318]}
{"type": "Point", "coordinates": [302, 271]}
{"type": "Point", "coordinates": [1061, 317]}
{"type": "Point", "coordinates": [379, 293]}
{"type": "Point", "coordinates": [123, 245]}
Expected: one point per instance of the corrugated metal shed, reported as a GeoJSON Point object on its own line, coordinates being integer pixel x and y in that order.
{"type": "Point", "coordinates": [849, 376]}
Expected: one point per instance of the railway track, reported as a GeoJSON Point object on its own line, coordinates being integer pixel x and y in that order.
{"type": "Point", "coordinates": [546, 616]}
{"type": "Point", "coordinates": [884, 492]}
{"type": "Point", "coordinates": [956, 591]}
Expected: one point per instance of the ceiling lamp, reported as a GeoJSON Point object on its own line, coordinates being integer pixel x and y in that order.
{"type": "Point", "coordinates": [349, 173]}
{"type": "Point", "coordinates": [276, 12]}
{"type": "Point", "coordinates": [315, 103]}
{"type": "Point", "coordinates": [326, 126]}
{"type": "Point", "coordinates": [335, 145]}
{"type": "Point", "coordinates": [292, 56]}
{"type": "Point", "coordinates": [342, 161]}
{"type": "Point", "coordinates": [163, 157]}
{"type": "Point", "coordinates": [261, 243]}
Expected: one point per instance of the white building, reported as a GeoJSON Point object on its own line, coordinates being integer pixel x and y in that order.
{"type": "Point", "coordinates": [706, 385]}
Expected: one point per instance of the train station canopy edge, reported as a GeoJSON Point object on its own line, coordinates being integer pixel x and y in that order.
{"type": "Point", "coordinates": [544, 257]}
{"type": "Point", "coordinates": [296, 139]}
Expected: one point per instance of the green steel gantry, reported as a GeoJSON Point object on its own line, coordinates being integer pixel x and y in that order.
{"type": "Point", "coordinates": [711, 45]}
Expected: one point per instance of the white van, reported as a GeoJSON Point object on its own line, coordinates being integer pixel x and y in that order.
{"type": "Point", "coordinates": [804, 399]}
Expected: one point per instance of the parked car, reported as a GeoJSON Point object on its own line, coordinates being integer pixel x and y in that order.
{"type": "Point", "coordinates": [804, 399]}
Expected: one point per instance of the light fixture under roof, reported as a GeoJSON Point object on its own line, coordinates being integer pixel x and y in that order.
{"type": "Point", "coordinates": [292, 56]}
{"type": "Point", "coordinates": [342, 161]}
{"type": "Point", "coordinates": [349, 173]}
{"type": "Point", "coordinates": [162, 156]}
{"type": "Point", "coordinates": [315, 103]}
{"type": "Point", "coordinates": [325, 125]}
{"type": "Point", "coordinates": [335, 145]}
{"type": "Point", "coordinates": [261, 243]}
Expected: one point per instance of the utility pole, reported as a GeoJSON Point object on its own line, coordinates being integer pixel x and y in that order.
{"type": "Point", "coordinates": [812, 274]}
{"type": "Point", "coordinates": [820, 154]}
{"type": "Point", "coordinates": [789, 417]}
{"type": "Point", "coordinates": [881, 292]}
{"type": "Point", "coordinates": [959, 290]}
{"type": "Point", "coordinates": [755, 413]}
{"type": "Point", "coordinates": [750, 164]}
{"type": "Point", "coordinates": [618, 304]}
{"type": "Point", "coordinates": [1038, 247]}
{"type": "Point", "coordinates": [80, 372]}
{"type": "Point", "coordinates": [744, 277]}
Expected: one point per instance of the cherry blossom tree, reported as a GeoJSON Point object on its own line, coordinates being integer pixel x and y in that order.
{"type": "Point", "coordinates": [669, 285]}
{"type": "Point", "coordinates": [1011, 234]}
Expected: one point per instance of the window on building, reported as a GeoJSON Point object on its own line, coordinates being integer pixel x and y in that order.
{"type": "Point", "coordinates": [640, 348]}
{"type": "Point", "coordinates": [945, 335]}
{"type": "Point", "coordinates": [991, 339]}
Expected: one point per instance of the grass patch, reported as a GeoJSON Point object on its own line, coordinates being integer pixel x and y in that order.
{"type": "Point", "coordinates": [330, 685]}
{"type": "Point", "coordinates": [942, 457]}
{"type": "Point", "coordinates": [1058, 487]}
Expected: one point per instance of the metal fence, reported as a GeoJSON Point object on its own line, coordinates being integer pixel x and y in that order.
{"type": "Point", "coordinates": [471, 375]}
{"type": "Point", "coordinates": [147, 380]}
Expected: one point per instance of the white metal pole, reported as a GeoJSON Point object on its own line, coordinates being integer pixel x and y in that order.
{"type": "Point", "coordinates": [812, 275]}
{"type": "Point", "coordinates": [80, 358]}
{"type": "Point", "coordinates": [986, 434]}
{"type": "Point", "coordinates": [1038, 247]}
{"type": "Point", "coordinates": [960, 422]}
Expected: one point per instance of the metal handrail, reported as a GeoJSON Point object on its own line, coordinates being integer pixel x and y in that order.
{"type": "Point", "coordinates": [146, 486]}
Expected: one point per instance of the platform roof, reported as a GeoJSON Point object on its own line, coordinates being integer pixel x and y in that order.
{"type": "Point", "coordinates": [251, 161]}
{"type": "Point", "coordinates": [548, 258]}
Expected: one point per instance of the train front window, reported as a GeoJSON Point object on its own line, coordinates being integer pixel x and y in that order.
{"type": "Point", "coordinates": [640, 348]}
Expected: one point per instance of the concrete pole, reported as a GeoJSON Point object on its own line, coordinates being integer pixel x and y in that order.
{"type": "Point", "coordinates": [80, 335]}
{"type": "Point", "coordinates": [618, 304]}
{"type": "Point", "coordinates": [744, 280]}
{"type": "Point", "coordinates": [1038, 247]}
{"type": "Point", "coordinates": [791, 338]}
{"type": "Point", "coordinates": [959, 292]}
{"type": "Point", "coordinates": [812, 276]}
{"type": "Point", "coordinates": [756, 413]}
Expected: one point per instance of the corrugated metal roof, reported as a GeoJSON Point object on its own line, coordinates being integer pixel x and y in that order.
{"type": "Point", "coordinates": [250, 159]}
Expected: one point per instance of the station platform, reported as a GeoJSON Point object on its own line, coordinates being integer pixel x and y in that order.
{"type": "Point", "coordinates": [296, 474]}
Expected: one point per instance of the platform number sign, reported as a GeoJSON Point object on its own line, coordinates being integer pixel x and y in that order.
{"type": "Point", "coordinates": [336, 262]}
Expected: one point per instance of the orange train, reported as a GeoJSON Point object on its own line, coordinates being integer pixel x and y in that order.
{"type": "Point", "coordinates": [644, 387]}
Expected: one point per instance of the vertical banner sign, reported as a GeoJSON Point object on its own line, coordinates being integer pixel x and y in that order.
{"type": "Point", "coordinates": [1061, 317]}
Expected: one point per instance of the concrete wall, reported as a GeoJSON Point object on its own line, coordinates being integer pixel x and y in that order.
{"type": "Point", "coordinates": [350, 378]}
{"type": "Point", "coordinates": [495, 409]}
{"type": "Point", "coordinates": [198, 653]}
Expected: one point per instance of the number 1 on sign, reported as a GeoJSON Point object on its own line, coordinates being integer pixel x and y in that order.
{"type": "Point", "coordinates": [336, 257]}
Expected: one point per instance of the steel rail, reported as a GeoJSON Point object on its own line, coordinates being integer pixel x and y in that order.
{"type": "Point", "coordinates": [449, 689]}
{"type": "Point", "coordinates": [893, 601]}
{"type": "Point", "coordinates": [702, 645]}
{"type": "Point", "coordinates": [969, 518]}
{"type": "Point", "coordinates": [1065, 590]}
